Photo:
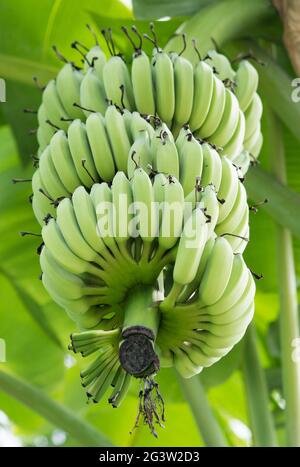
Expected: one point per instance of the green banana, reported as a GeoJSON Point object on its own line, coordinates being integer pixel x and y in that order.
{"type": "Point", "coordinates": [92, 95]}
{"type": "Point", "coordinates": [216, 110]}
{"type": "Point", "coordinates": [142, 84]}
{"type": "Point", "coordinates": [163, 77]}
{"type": "Point", "coordinates": [81, 153]}
{"type": "Point", "coordinates": [68, 89]}
{"type": "Point", "coordinates": [118, 137]}
{"type": "Point", "coordinates": [49, 176]}
{"type": "Point", "coordinates": [63, 162]}
{"type": "Point", "coordinates": [172, 215]}
{"type": "Point", "coordinates": [212, 167]}
{"type": "Point", "coordinates": [53, 106]}
{"type": "Point", "coordinates": [190, 162]}
{"type": "Point", "coordinates": [116, 76]}
{"type": "Point", "coordinates": [184, 91]}
{"type": "Point", "coordinates": [228, 188]}
{"type": "Point", "coordinates": [100, 146]}
{"type": "Point", "coordinates": [247, 83]}
{"type": "Point", "coordinates": [190, 248]}
{"type": "Point", "coordinates": [215, 278]}
{"type": "Point", "coordinates": [203, 92]}
{"type": "Point", "coordinates": [166, 157]}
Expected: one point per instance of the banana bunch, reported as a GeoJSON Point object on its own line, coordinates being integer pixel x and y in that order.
{"type": "Point", "coordinates": [103, 244]}
{"type": "Point", "coordinates": [94, 151]}
{"type": "Point", "coordinates": [210, 314]}
{"type": "Point", "coordinates": [144, 216]}
{"type": "Point", "coordinates": [89, 152]}
{"type": "Point", "coordinates": [166, 85]}
{"type": "Point", "coordinates": [245, 82]}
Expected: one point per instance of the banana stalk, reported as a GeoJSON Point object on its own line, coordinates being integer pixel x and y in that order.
{"type": "Point", "coordinates": [141, 321]}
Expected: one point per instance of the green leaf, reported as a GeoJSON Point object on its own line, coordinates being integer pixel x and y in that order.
{"type": "Point", "coordinates": [283, 203]}
{"type": "Point", "coordinates": [153, 9]}
{"type": "Point", "coordinates": [224, 21]}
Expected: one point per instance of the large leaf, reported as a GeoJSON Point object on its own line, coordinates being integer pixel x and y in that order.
{"type": "Point", "coordinates": [153, 9]}
{"type": "Point", "coordinates": [223, 21]}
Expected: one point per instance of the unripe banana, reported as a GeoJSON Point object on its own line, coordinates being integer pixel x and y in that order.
{"type": "Point", "coordinates": [203, 92]}
{"type": "Point", "coordinates": [166, 158]}
{"type": "Point", "coordinates": [44, 131]}
{"type": "Point", "coordinates": [228, 188]}
{"type": "Point", "coordinates": [68, 285]}
{"type": "Point", "coordinates": [42, 203]}
{"type": "Point", "coordinates": [141, 76]}
{"type": "Point", "coordinates": [63, 162]}
{"type": "Point", "coordinates": [229, 121]}
{"type": "Point", "coordinates": [255, 149]}
{"type": "Point", "coordinates": [192, 286]}
{"type": "Point", "coordinates": [139, 155]}
{"type": "Point", "coordinates": [217, 272]}
{"type": "Point", "coordinates": [221, 64]}
{"type": "Point", "coordinates": [251, 140]}
{"type": "Point", "coordinates": [53, 106]}
{"type": "Point", "coordinates": [122, 199]}
{"type": "Point", "coordinates": [190, 161]}
{"type": "Point", "coordinates": [137, 126]}
{"type": "Point", "coordinates": [212, 167]}
{"type": "Point", "coordinates": [116, 76]}
{"type": "Point", "coordinates": [118, 137]}
{"type": "Point", "coordinates": [184, 91]}
{"type": "Point", "coordinates": [97, 58]}
{"type": "Point", "coordinates": [235, 287]}
{"type": "Point", "coordinates": [229, 224]}
{"type": "Point", "coordinates": [199, 357]}
{"type": "Point", "coordinates": [216, 110]}
{"type": "Point", "coordinates": [242, 161]}
{"type": "Point", "coordinates": [247, 82]}
{"type": "Point", "coordinates": [100, 146]}
{"type": "Point", "coordinates": [253, 115]}
{"type": "Point", "coordinates": [172, 215]}
{"type": "Point", "coordinates": [235, 144]}
{"type": "Point", "coordinates": [68, 88]}
{"type": "Point", "coordinates": [55, 242]}
{"type": "Point", "coordinates": [49, 176]}
{"type": "Point", "coordinates": [190, 248]}
{"type": "Point", "coordinates": [70, 230]}
{"type": "Point", "coordinates": [86, 217]}
{"type": "Point", "coordinates": [145, 210]}
{"type": "Point", "coordinates": [210, 204]}
{"type": "Point", "coordinates": [101, 197]}
{"type": "Point", "coordinates": [92, 95]}
{"type": "Point", "coordinates": [163, 76]}
{"type": "Point", "coordinates": [80, 150]}
{"type": "Point", "coordinates": [184, 364]}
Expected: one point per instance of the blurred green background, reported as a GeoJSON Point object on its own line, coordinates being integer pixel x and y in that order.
{"type": "Point", "coordinates": [36, 331]}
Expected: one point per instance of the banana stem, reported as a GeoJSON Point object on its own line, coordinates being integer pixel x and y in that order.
{"type": "Point", "coordinates": [139, 310]}
{"type": "Point", "coordinates": [261, 421]}
{"type": "Point", "coordinates": [51, 411]}
{"type": "Point", "coordinates": [289, 322]}
{"type": "Point", "coordinates": [141, 321]}
{"type": "Point", "coordinates": [208, 425]}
